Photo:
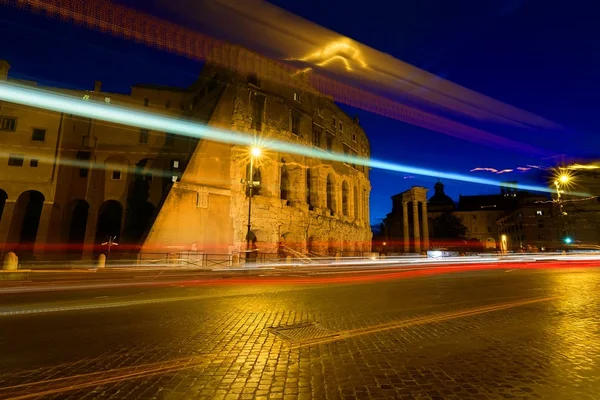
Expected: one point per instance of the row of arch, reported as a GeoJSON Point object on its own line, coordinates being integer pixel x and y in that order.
{"type": "Point", "coordinates": [331, 192]}
{"type": "Point", "coordinates": [27, 214]}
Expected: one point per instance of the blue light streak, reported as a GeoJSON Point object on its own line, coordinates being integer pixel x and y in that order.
{"type": "Point", "coordinates": [38, 98]}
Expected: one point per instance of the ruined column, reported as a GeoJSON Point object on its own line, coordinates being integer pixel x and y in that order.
{"type": "Point", "coordinates": [405, 226]}
{"type": "Point", "coordinates": [416, 229]}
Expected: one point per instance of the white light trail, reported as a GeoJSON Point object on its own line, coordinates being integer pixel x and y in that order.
{"type": "Point", "coordinates": [121, 115]}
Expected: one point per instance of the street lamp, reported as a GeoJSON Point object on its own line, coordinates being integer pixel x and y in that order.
{"type": "Point", "coordinates": [255, 153]}
{"type": "Point", "coordinates": [562, 180]}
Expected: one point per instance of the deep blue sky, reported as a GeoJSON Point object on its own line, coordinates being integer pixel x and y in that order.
{"type": "Point", "coordinates": [537, 55]}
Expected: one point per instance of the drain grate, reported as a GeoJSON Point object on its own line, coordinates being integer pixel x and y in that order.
{"type": "Point", "coordinates": [303, 333]}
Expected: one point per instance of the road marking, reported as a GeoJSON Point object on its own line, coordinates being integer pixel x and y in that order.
{"type": "Point", "coordinates": [343, 335]}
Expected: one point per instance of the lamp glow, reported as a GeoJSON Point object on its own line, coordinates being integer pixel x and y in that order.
{"type": "Point", "coordinates": [255, 151]}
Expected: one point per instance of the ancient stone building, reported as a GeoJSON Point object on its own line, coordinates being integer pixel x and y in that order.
{"type": "Point", "coordinates": [406, 227]}
{"type": "Point", "coordinates": [69, 182]}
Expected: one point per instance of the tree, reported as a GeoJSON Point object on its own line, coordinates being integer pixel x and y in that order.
{"type": "Point", "coordinates": [448, 227]}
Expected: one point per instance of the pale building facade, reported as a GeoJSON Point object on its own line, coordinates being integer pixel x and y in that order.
{"type": "Point", "coordinates": [68, 182]}
{"type": "Point", "coordinates": [406, 227]}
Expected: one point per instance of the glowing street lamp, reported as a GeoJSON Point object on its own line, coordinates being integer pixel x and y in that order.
{"type": "Point", "coordinates": [255, 153]}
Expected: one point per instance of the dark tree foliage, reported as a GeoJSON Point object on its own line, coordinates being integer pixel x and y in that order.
{"type": "Point", "coordinates": [448, 227]}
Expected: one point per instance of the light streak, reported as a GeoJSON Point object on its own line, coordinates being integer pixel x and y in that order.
{"type": "Point", "coordinates": [121, 115]}
{"type": "Point", "coordinates": [125, 22]}
{"type": "Point", "coordinates": [341, 50]}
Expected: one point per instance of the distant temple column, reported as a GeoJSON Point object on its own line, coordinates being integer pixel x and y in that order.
{"type": "Point", "coordinates": [425, 226]}
{"type": "Point", "coordinates": [416, 229]}
{"type": "Point", "coordinates": [405, 226]}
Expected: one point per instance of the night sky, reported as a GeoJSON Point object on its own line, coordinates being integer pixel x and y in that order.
{"type": "Point", "coordinates": [540, 56]}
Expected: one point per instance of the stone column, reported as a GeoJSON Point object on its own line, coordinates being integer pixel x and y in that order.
{"type": "Point", "coordinates": [425, 227]}
{"type": "Point", "coordinates": [416, 228]}
{"type": "Point", "coordinates": [44, 227]}
{"type": "Point", "coordinates": [405, 226]}
{"type": "Point", "coordinates": [5, 222]}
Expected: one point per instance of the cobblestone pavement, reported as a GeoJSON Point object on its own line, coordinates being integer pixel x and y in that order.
{"type": "Point", "coordinates": [473, 335]}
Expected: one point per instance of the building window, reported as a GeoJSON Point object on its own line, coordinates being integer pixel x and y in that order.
{"type": "Point", "coordinates": [8, 124]}
{"type": "Point", "coordinates": [333, 122]}
{"type": "Point", "coordinates": [116, 175]}
{"type": "Point", "coordinates": [539, 212]}
{"type": "Point", "coordinates": [320, 110]}
{"type": "Point", "coordinates": [296, 96]}
{"type": "Point", "coordinates": [83, 157]}
{"type": "Point", "coordinates": [295, 122]}
{"type": "Point", "coordinates": [33, 163]}
{"type": "Point", "coordinates": [168, 104]}
{"type": "Point", "coordinates": [148, 177]}
{"type": "Point", "coordinates": [169, 139]}
{"type": "Point", "coordinates": [146, 102]}
{"type": "Point", "coordinates": [253, 80]}
{"type": "Point", "coordinates": [15, 160]}
{"type": "Point", "coordinates": [489, 229]}
{"type": "Point", "coordinates": [329, 142]}
{"type": "Point", "coordinates": [258, 110]}
{"type": "Point", "coordinates": [316, 135]}
{"type": "Point", "coordinates": [354, 137]}
{"type": "Point", "coordinates": [38, 135]}
{"type": "Point", "coordinates": [341, 127]}
{"type": "Point", "coordinates": [144, 136]}
{"type": "Point", "coordinates": [540, 223]}
{"type": "Point", "coordinates": [174, 164]}
{"type": "Point", "coordinates": [474, 217]}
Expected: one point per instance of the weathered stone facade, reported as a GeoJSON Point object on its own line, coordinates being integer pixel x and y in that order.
{"type": "Point", "coordinates": [303, 204]}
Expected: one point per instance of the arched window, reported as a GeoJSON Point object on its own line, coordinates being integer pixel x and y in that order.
{"type": "Point", "coordinates": [356, 208]}
{"type": "Point", "coordinates": [284, 187]}
{"type": "Point", "coordinates": [255, 179]}
{"type": "Point", "coordinates": [331, 193]}
{"type": "Point", "coordinates": [345, 193]}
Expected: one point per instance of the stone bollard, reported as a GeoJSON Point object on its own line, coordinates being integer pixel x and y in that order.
{"type": "Point", "coordinates": [288, 260]}
{"type": "Point", "coordinates": [101, 262]}
{"type": "Point", "coordinates": [235, 260]}
{"type": "Point", "coordinates": [11, 262]}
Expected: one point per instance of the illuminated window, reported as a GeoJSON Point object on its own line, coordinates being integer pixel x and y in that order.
{"type": "Point", "coordinates": [296, 96]}
{"type": "Point", "coordinates": [539, 212]}
{"type": "Point", "coordinates": [38, 135]}
{"type": "Point", "coordinates": [174, 164]}
{"type": "Point", "coordinates": [15, 160]}
{"type": "Point", "coordinates": [144, 136]}
{"type": "Point", "coordinates": [116, 175]}
{"type": "Point", "coordinates": [33, 163]}
{"type": "Point", "coordinates": [295, 122]}
{"type": "Point", "coordinates": [8, 124]}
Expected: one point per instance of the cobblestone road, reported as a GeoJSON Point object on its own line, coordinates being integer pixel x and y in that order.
{"type": "Point", "coordinates": [475, 335]}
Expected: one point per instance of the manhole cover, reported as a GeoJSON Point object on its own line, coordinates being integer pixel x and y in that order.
{"type": "Point", "coordinates": [303, 333]}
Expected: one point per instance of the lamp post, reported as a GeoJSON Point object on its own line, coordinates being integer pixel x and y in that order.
{"type": "Point", "coordinates": [255, 152]}
{"type": "Point", "coordinates": [562, 179]}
